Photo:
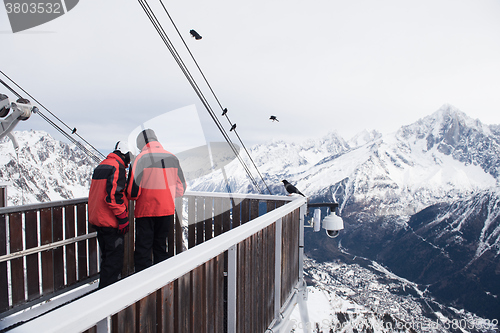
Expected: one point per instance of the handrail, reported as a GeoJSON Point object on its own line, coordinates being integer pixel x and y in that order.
{"type": "Point", "coordinates": [239, 196]}
{"type": "Point", "coordinates": [46, 247]}
{"type": "Point", "coordinates": [50, 204]}
{"type": "Point", "coordinates": [15, 209]}
{"type": "Point", "coordinates": [86, 312]}
{"type": "Point", "coordinates": [59, 203]}
{"type": "Point", "coordinates": [7, 210]}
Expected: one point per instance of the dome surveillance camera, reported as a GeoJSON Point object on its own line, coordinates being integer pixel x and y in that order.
{"type": "Point", "coordinates": [332, 233]}
{"type": "Point", "coordinates": [333, 224]}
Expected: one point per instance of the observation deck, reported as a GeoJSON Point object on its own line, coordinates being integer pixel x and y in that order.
{"type": "Point", "coordinates": [235, 266]}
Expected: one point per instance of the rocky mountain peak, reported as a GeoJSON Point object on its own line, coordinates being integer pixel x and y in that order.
{"type": "Point", "coordinates": [453, 133]}
{"type": "Point", "coordinates": [364, 137]}
{"type": "Point", "coordinates": [43, 169]}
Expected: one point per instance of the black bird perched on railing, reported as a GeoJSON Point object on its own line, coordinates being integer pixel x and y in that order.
{"type": "Point", "coordinates": [291, 189]}
{"type": "Point", "coordinates": [195, 34]}
{"type": "Point", "coordinates": [273, 118]}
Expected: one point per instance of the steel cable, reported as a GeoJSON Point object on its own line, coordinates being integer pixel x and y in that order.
{"type": "Point", "coordinates": [58, 128]}
{"type": "Point", "coordinates": [213, 93]}
{"type": "Point", "coordinates": [157, 25]}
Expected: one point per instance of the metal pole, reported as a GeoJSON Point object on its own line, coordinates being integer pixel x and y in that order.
{"type": "Point", "coordinates": [277, 269]}
{"type": "Point", "coordinates": [302, 292]}
{"type": "Point", "coordinates": [232, 270]}
{"type": "Point", "coordinates": [103, 326]}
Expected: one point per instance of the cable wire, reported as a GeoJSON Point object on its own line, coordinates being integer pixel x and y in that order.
{"type": "Point", "coordinates": [93, 155]}
{"type": "Point", "coordinates": [58, 128]}
{"type": "Point", "coordinates": [8, 87]}
{"type": "Point", "coordinates": [191, 80]}
{"type": "Point", "coordinates": [157, 25]}
{"type": "Point", "coordinates": [213, 93]}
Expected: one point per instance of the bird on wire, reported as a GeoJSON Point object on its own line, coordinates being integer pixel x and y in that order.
{"type": "Point", "coordinates": [290, 188]}
{"type": "Point", "coordinates": [273, 118]}
{"type": "Point", "coordinates": [232, 127]}
{"type": "Point", "coordinates": [195, 34]}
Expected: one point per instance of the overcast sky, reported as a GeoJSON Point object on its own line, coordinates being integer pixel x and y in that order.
{"type": "Point", "coordinates": [318, 66]}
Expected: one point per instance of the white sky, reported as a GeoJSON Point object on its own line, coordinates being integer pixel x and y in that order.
{"type": "Point", "coordinates": [318, 65]}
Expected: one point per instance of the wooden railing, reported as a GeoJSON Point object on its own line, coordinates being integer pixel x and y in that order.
{"type": "Point", "coordinates": [44, 249]}
{"type": "Point", "coordinates": [225, 274]}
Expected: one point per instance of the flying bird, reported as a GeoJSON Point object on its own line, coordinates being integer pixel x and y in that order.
{"type": "Point", "coordinates": [291, 189]}
{"type": "Point", "coordinates": [195, 34]}
{"type": "Point", "coordinates": [273, 118]}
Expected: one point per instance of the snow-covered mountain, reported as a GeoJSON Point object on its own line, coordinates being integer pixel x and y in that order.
{"type": "Point", "coordinates": [43, 169]}
{"type": "Point", "coordinates": [443, 156]}
{"type": "Point", "coordinates": [422, 201]}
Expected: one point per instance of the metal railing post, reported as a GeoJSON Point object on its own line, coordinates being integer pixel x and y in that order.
{"type": "Point", "coordinates": [302, 213]}
{"type": "Point", "coordinates": [302, 292]}
{"type": "Point", "coordinates": [231, 288]}
{"type": "Point", "coordinates": [277, 269]}
{"type": "Point", "coordinates": [102, 326]}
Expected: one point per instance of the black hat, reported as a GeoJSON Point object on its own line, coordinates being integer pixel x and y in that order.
{"type": "Point", "coordinates": [145, 137]}
{"type": "Point", "coordinates": [122, 148]}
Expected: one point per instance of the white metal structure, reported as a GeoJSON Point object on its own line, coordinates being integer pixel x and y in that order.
{"type": "Point", "coordinates": [20, 111]}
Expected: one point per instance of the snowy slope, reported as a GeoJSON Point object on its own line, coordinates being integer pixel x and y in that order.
{"type": "Point", "coordinates": [363, 296]}
{"type": "Point", "coordinates": [43, 169]}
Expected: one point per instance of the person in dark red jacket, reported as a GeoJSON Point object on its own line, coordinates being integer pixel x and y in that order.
{"type": "Point", "coordinates": [108, 211]}
{"type": "Point", "coordinates": [155, 180]}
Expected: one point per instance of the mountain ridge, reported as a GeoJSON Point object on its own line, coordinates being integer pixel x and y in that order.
{"type": "Point", "coordinates": [445, 162]}
{"type": "Point", "coordinates": [43, 169]}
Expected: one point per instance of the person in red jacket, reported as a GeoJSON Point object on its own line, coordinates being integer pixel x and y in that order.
{"type": "Point", "coordinates": [108, 211]}
{"type": "Point", "coordinates": [155, 180]}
